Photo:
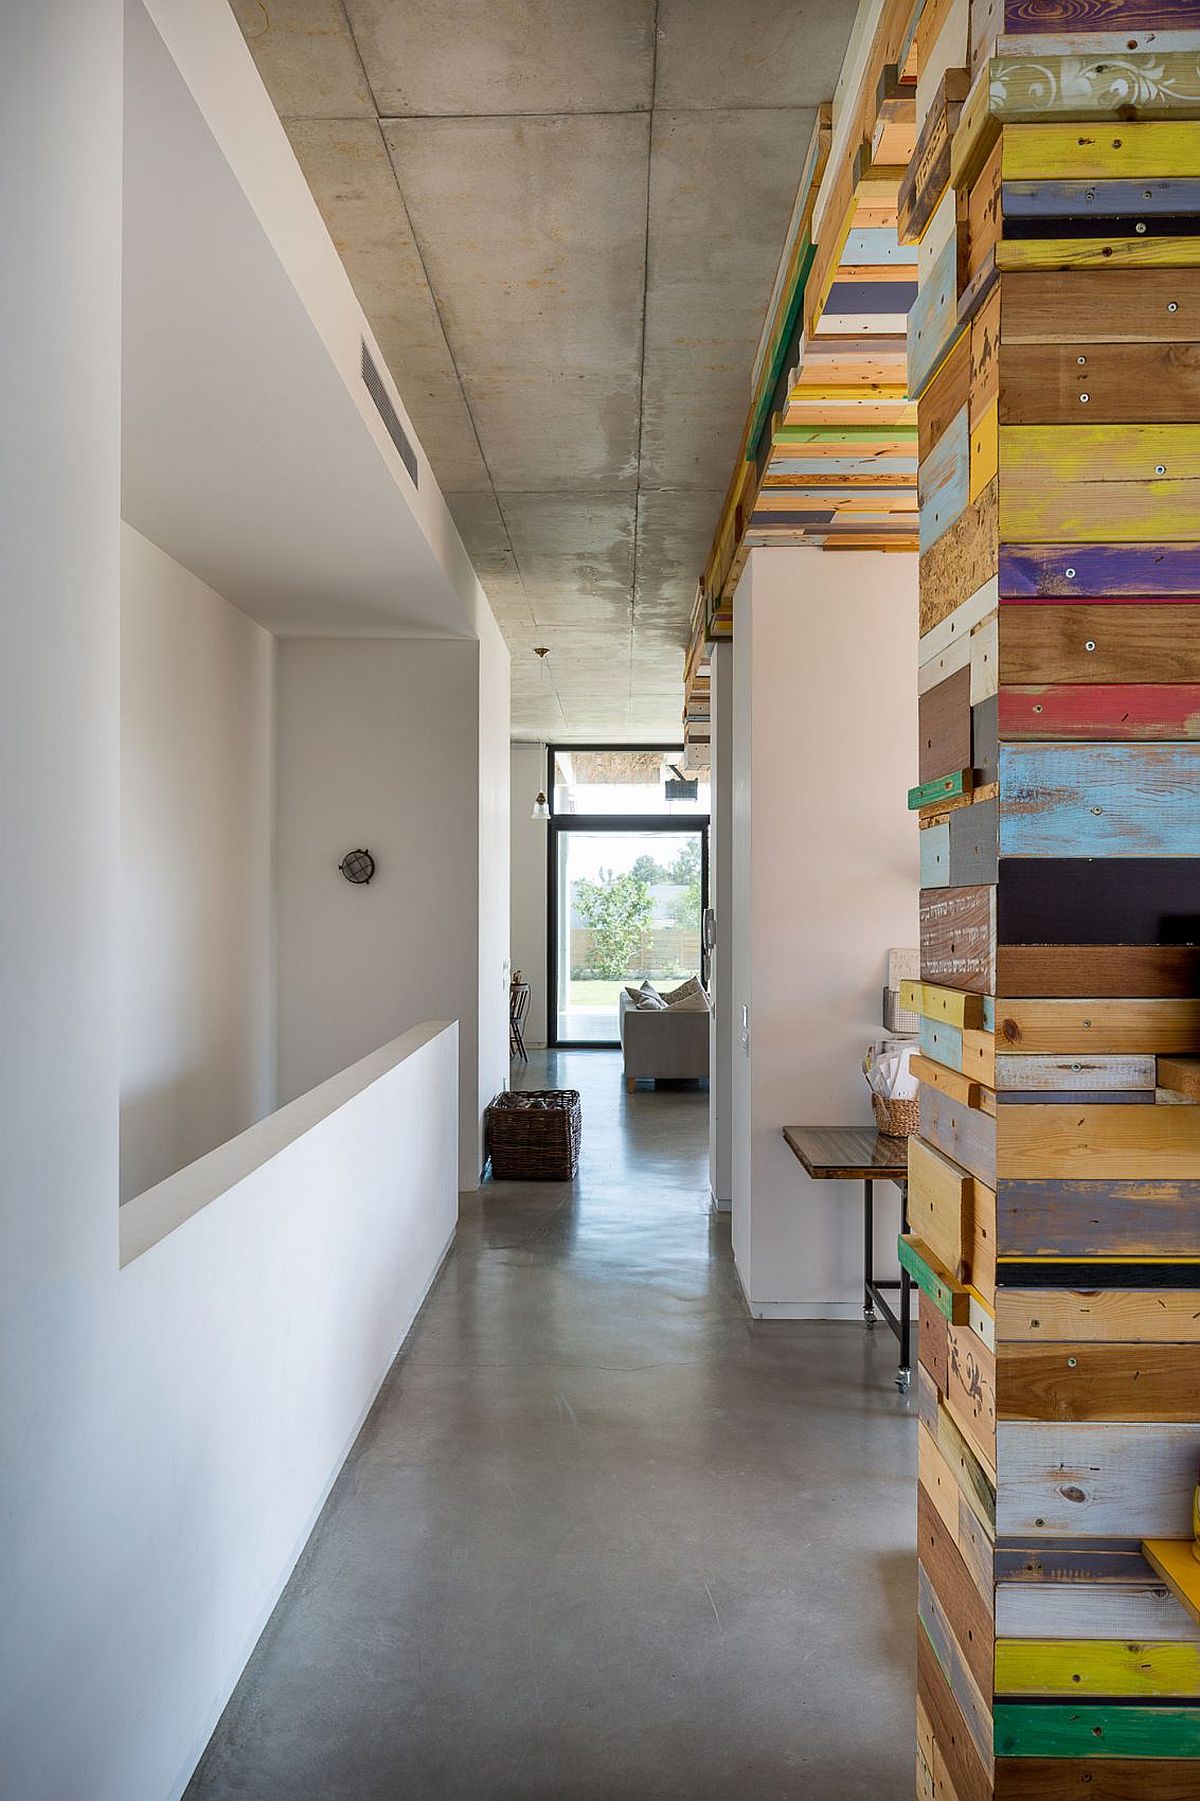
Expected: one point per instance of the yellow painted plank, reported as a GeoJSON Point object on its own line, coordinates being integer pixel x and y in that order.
{"type": "Point", "coordinates": [985, 449]}
{"type": "Point", "coordinates": [949, 1006]}
{"type": "Point", "coordinates": [1096, 1667]}
{"type": "Point", "coordinates": [1100, 152]}
{"type": "Point", "coordinates": [1096, 253]}
{"type": "Point", "coordinates": [1177, 1564]}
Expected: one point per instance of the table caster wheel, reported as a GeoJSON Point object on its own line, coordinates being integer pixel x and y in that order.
{"type": "Point", "coordinates": [903, 1379]}
{"type": "Point", "coordinates": [870, 1317]}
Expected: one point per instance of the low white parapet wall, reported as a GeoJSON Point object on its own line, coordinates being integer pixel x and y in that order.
{"type": "Point", "coordinates": [263, 1294]}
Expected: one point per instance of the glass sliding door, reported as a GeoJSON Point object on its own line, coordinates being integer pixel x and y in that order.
{"type": "Point", "coordinates": [626, 902]}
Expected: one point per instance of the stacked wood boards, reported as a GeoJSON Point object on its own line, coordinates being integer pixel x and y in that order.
{"type": "Point", "coordinates": [1054, 348]}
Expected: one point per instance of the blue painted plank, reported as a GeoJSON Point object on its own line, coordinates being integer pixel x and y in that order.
{"type": "Point", "coordinates": [864, 465]}
{"type": "Point", "coordinates": [942, 1043]}
{"type": "Point", "coordinates": [944, 481]}
{"type": "Point", "coordinates": [1100, 800]}
{"type": "Point", "coordinates": [936, 856]}
{"type": "Point", "coordinates": [933, 321]}
{"type": "Point", "coordinates": [875, 245]}
{"type": "Point", "coordinates": [1100, 199]}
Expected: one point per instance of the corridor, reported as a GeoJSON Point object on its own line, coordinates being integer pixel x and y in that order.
{"type": "Point", "coordinates": [602, 1536]}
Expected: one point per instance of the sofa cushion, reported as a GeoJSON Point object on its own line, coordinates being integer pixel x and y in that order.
{"type": "Point", "coordinates": [684, 990]}
{"type": "Point", "coordinates": [690, 1003]}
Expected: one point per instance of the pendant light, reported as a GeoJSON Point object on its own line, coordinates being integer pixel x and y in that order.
{"type": "Point", "coordinates": [541, 806]}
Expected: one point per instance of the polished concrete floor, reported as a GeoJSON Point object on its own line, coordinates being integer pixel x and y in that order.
{"type": "Point", "coordinates": [603, 1537]}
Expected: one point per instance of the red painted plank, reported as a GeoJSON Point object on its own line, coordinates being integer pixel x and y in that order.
{"type": "Point", "coordinates": [1110, 713]}
{"type": "Point", "coordinates": [1101, 600]}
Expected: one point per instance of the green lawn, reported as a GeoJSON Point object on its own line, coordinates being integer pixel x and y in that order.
{"type": "Point", "coordinates": [604, 994]}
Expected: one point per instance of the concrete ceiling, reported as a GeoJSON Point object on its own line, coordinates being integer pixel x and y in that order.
{"type": "Point", "coordinates": [563, 218]}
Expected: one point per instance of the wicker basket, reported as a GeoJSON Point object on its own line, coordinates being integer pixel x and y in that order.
{"type": "Point", "coordinates": [533, 1135]}
{"type": "Point", "coordinates": [896, 1119]}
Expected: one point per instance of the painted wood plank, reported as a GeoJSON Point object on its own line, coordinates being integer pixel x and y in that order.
{"type": "Point", "coordinates": [1093, 1217]}
{"type": "Point", "coordinates": [960, 622]}
{"type": "Point", "coordinates": [946, 787]}
{"type": "Point", "coordinates": [1149, 971]}
{"type": "Point", "coordinates": [1047, 384]}
{"type": "Point", "coordinates": [966, 1135]}
{"type": "Point", "coordinates": [1119, 1027]}
{"type": "Point", "coordinates": [1018, 255]}
{"type": "Point", "coordinates": [1118, 901]}
{"type": "Point", "coordinates": [1093, 79]}
{"type": "Point", "coordinates": [957, 930]}
{"type": "Point", "coordinates": [1104, 1316]}
{"type": "Point", "coordinates": [977, 1486]}
{"type": "Point", "coordinates": [932, 1001]}
{"type": "Point", "coordinates": [1097, 1668]}
{"type": "Point", "coordinates": [1079, 1097]}
{"type": "Point", "coordinates": [932, 1349]}
{"type": "Point", "coordinates": [1049, 1729]}
{"type": "Point", "coordinates": [1124, 150]}
{"type": "Point", "coordinates": [1107, 1481]}
{"type": "Point", "coordinates": [967, 1612]}
{"type": "Point", "coordinates": [1094, 483]}
{"type": "Point", "coordinates": [1112, 713]}
{"type": "Point", "coordinates": [1100, 1143]}
{"type": "Point", "coordinates": [966, 557]}
{"type": "Point", "coordinates": [985, 449]}
{"type": "Point", "coordinates": [1109, 306]}
{"type": "Point", "coordinates": [945, 663]}
{"type": "Point", "coordinates": [971, 1392]}
{"type": "Point", "coordinates": [933, 1279]}
{"type": "Point", "coordinates": [985, 741]}
{"type": "Point", "coordinates": [985, 660]}
{"type": "Point", "coordinates": [1097, 1382]}
{"type": "Point", "coordinates": [1175, 1561]}
{"type": "Point", "coordinates": [928, 173]}
{"type": "Point", "coordinates": [974, 845]}
{"type": "Point", "coordinates": [1075, 1074]}
{"type": "Point", "coordinates": [933, 326]}
{"type": "Point", "coordinates": [1145, 198]}
{"type": "Point", "coordinates": [935, 856]}
{"type": "Point", "coordinates": [1100, 1610]}
{"type": "Point", "coordinates": [970, 1533]}
{"type": "Point", "coordinates": [944, 727]}
{"type": "Point", "coordinates": [1128, 574]}
{"type": "Point", "coordinates": [943, 481]}
{"type": "Point", "coordinates": [1100, 800]}
{"type": "Point", "coordinates": [974, 1053]}
{"type": "Point", "coordinates": [974, 1706]}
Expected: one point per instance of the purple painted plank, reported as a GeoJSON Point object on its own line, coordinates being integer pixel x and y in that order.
{"type": "Point", "coordinates": [1100, 571]}
{"type": "Point", "coordinates": [871, 297]}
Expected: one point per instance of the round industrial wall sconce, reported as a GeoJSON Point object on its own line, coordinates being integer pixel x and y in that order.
{"type": "Point", "coordinates": [358, 866]}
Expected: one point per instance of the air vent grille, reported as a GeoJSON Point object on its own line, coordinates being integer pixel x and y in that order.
{"type": "Point", "coordinates": [387, 412]}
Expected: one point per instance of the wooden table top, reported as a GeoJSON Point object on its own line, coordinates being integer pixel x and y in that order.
{"type": "Point", "coordinates": [844, 1153]}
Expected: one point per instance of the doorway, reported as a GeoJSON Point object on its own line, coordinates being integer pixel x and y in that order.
{"type": "Point", "coordinates": [627, 882]}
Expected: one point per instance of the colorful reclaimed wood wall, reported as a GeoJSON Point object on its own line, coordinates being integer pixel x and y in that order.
{"type": "Point", "coordinates": [1054, 349]}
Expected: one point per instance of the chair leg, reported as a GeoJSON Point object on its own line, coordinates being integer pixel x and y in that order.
{"type": "Point", "coordinates": [630, 1084]}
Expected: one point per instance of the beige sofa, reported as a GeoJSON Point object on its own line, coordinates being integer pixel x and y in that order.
{"type": "Point", "coordinates": [671, 1045]}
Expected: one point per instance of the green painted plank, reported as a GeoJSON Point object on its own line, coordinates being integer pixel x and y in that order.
{"type": "Point", "coordinates": [1044, 1729]}
{"type": "Point", "coordinates": [850, 434]}
{"type": "Point", "coordinates": [781, 351]}
{"type": "Point", "coordinates": [946, 1295]}
{"type": "Point", "coordinates": [946, 787]}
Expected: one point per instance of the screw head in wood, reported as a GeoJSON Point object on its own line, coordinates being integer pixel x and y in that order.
{"type": "Point", "coordinates": [1172, 306]}
{"type": "Point", "coordinates": [1090, 645]}
{"type": "Point", "coordinates": [1083, 399]}
{"type": "Point", "coordinates": [1160, 468]}
{"type": "Point", "coordinates": [1070, 573]}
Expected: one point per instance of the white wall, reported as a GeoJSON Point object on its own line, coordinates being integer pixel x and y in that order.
{"type": "Point", "coordinates": [197, 828]}
{"type": "Point", "coordinates": [721, 962]}
{"type": "Point", "coordinates": [825, 880]}
{"type": "Point", "coordinates": [529, 883]}
{"type": "Point", "coordinates": [379, 746]}
{"type": "Point", "coordinates": [494, 879]}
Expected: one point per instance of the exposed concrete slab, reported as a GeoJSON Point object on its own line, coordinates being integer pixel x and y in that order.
{"type": "Point", "coordinates": [456, 57]}
{"type": "Point", "coordinates": [755, 53]}
{"type": "Point", "coordinates": [533, 235]}
{"type": "Point", "coordinates": [307, 57]}
{"type": "Point", "coordinates": [573, 552]}
{"type": "Point", "coordinates": [347, 166]}
{"type": "Point", "coordinates": [713, 251]}
{"type": "Point", "coordinates": [674, 531]}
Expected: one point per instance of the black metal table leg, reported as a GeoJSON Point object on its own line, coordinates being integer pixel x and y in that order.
{"type": "Point", "coordinates": [869, 1314]}
{"type": "Point", "coordinates": [904, 1373]}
